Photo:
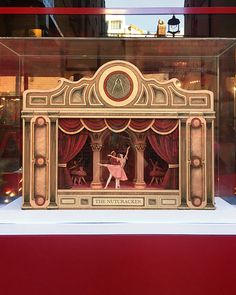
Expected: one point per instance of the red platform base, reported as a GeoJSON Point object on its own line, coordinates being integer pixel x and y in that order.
{"type": "Point", "coordinates": [118, 265]}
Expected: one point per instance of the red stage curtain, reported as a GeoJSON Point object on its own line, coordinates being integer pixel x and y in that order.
{"type": "Point", "coordinates": [71, 125]}
{"type": "Point", "coordinates": [68, 147]}
{"type": "Point", "coordinates": [117, 124]}
{"type": "Point", "coordinates": [167, 147]}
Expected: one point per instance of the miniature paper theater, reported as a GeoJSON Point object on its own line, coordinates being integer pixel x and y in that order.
{"type": "Point", "coordinates": [118, 140]}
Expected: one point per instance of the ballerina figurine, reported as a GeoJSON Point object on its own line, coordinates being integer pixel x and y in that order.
{"type": "Point", "coordinates": [116, 170]}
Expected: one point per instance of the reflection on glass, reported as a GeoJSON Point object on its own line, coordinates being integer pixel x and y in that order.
{"type": "Point", "coordinates": [146, 23]}
{"type": "Point", "coordinates": [124, 26]}
{"type": "Point", "coordinates": [10, 148]}
{"type": "Point", "coordinates": [143, 3]}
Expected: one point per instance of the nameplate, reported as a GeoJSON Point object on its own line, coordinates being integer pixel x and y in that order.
{"type": "Point", "coordinates": [125, 202]}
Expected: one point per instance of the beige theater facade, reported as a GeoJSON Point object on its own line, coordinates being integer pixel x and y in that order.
{"type": "Point", "coordinates": [118, 98]}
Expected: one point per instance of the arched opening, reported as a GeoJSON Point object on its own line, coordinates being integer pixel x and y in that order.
{"type": "Point", "coordinates": [154, 168]}
{"type": "Point", "coordinates": [115, 144]}
{"type": "Point", "coordinates": [81, 167]}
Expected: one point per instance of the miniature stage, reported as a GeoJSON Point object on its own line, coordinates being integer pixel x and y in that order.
{"type": "Point", "coordinates": [118, 140]}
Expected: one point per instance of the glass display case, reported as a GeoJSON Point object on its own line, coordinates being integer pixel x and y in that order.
{"type": "Point", "coordinates": [36, 65]}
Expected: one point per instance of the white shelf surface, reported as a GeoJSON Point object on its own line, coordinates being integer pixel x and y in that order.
{"type": "Point", "coordinates": [14, 221]}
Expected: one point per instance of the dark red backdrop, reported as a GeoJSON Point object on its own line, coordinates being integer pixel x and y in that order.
{"type": "Point", "coordinates": [112, 265]}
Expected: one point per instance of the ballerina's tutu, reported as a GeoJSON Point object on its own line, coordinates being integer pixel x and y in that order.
{"type": "Point", "coordinates": [117, 171]}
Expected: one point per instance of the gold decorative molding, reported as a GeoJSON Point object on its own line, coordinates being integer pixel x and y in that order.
{"type": "Point", "coordinates": [91, 93]}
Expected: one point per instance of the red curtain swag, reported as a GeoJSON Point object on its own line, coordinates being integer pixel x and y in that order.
{"type": "Point", "coordinates": [164, 126]}
{"type": "Point", "coordinates": [117, 124]}
{"type": "Point", "coordinates": [161, 126]}
{"type": "Point", "coordinates": [71, 125]}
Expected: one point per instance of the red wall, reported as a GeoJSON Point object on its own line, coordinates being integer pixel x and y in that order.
{"type": "Point", "coordinates": [132, 265]}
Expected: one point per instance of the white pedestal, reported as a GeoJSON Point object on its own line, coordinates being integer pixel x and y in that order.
{"type": "Point", "coordinates": [14, 221]}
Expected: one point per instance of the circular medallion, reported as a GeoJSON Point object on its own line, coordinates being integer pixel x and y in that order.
{"type": "Point", "coordinates": [40, 161]}
{"type": "Point", "coordinates": [196, 123]}
{"type": "Point", "coordinates": [196, 162]}
{"type": "Point", "coordinates": [40, 200]}
{"type": "Point", "coordinates": [40, 122]}
{"type": "Point", "coordinates": [197, 201]}
{"type": "Point", "coordinates": [118, 86]}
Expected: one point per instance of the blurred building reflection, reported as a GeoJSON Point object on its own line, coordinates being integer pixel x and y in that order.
{"type": "Point", "coordinates": [210, 25]}
{"type": "Point", "coordinates": [52, 26]}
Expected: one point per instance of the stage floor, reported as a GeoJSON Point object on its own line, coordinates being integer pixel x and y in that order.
{"type": "Point", "coordinates": [126, 185]}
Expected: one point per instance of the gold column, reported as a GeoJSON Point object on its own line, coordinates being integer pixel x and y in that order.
{"type": "Point", "coordinates": [139, 183]}
{"type": "Point", "coordinates": [182, 161]}
{"type": "Point", "coordinates": [96, 148]}
{"type": "Point", "coordinates": [53, 161]}
{"type": "Point", "coordinates": [26, 161]}
{"type": "Point", "coordinates": [210, 162]}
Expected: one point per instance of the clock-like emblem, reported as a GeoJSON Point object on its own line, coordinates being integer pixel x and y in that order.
{"type": "Point", "coordinates": [118, 86]}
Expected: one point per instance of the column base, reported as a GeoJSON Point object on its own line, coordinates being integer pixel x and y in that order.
{"type": "Point", "coordinates": [52, 205]}
{"type": "Point", "coordinates": [26, 205]}
{"type": "Point", "coordinates": [96, 185]}
{"type": "Point", "coordinates": [140, 185]}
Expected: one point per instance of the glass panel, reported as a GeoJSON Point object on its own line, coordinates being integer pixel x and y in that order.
{"type": "Point", "coordinates": [10, 130]}
{"type": "Point", "coordinates": [226, 128]}
{"type": "Point", "coordinates": [38, 63]}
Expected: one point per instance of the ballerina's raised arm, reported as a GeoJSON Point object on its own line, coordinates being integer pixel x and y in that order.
{"type": "Point", "coordinates": [127, 151]}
